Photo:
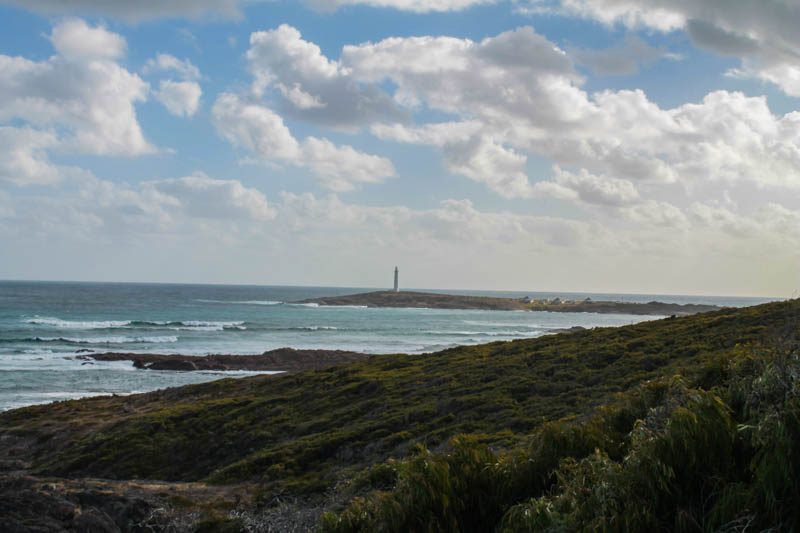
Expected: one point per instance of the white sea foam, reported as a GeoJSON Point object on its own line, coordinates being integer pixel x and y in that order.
{"type": "Point", "coordinates": [490, 324]}
{"type": "Point", "coordinates": [314, 328]}
{"type": "Point", "coordinates": [176, 325]}
{"type": "Point", "coordinates": [72, 324]}
{"type": "Point", "coordinates": [305, 305]}
{"type": "Point", "coordinates": [484, 333]}
{"type": "Point", "coordinates": [107, 340]}
{"type": "Point", "coordinates": [242, 302]}
{"type": "Point", "coordinates": [208, 323]}
{"type": "Point", "coordinates": [201, 325]}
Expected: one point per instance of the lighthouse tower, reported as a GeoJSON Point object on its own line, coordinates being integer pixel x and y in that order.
{"type": "Point", "coordinates": [396, 286]}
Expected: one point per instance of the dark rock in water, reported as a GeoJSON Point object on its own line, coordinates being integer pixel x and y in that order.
{"type": "Point", "coordinates": [174, 364]}
{"type": "Point", "coordinates": [573, 329]}
{"type": "Point", "coordinates": [281, 359]}
{"type": "Point", "coordinates": [84, 350]}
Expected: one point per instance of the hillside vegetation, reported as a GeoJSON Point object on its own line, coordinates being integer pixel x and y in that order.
{"type": "Point", "coordinates": [697, 433]}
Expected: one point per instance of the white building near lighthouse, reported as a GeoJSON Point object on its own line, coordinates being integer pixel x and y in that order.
{"type": "Point", "coordinates": [396, 275]}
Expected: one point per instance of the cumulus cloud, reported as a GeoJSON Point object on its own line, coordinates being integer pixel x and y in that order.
{"type": "Point", "coordinates": [181, 98]}
{"type": "Point", "coordinates": [590, 189]}
{"type": "Point", "coordinates": [254, 127]}
{"type": "Point", "coordinates": [23, 156]}
{"type": "Point", "coordinates": [518, 75]}
{"type": "Point", "coordinates": [260, 130]}
{"type": "Point", "coordinates": [312, 87]}
{"type": "Point", "coordinates": [339, 167]}
{"type": "Point", "coordinates": [200, 196]}
{"type": "Point", "coordinates": [82, 208]}
{"type": "Point", "coordinates": [74, 39]}
{"type": "Point", "coordinates": [763, 33]}
{"type": "Point", "coordinates": [481, 159]}
{"type": "Point", "coordinates": [659, 214]}
{"type": "Point", "coordinates": [508, 107]}
{"type": "Point", "coordinates": [437, 134]}
{"type": "Point", "coordinates": [416, 6]}
{"type": "Point", "coordinates": [80, 90]}
{"type": "Point", "coordinates": [170, 63]}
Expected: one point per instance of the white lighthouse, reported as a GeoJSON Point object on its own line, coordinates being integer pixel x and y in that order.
{"type": "Point", "coordinates": [396, 285]}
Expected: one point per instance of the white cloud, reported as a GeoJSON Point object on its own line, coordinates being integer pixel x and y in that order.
{"type": "Point", "coordinates": [723, 219]}
{"type": "Point", "coordinates": [416, 6]}
{"type": "Point", "coordinates": [262, 131]}
{"type": "Point", "coordinates": [255, 128]}
{"type": "Point", "coordinates": [299, 98]}
{"type": "Point", "coordinates": [764, 33]}
{"type": "Point", "coordinates": [170, 63]}
{"type": "Point", "coordinates": [92, 213]}
{"type": "Point", "coordinates": [201, 196]}
{"type": "Point", "coordinates": [311, 86]}
{"type": "Point", "coordinates": [483, 160]}
{"type": "Point", "coordinates": [340, 167]}
{"type": "Point", "coordinates": [181, 98]}
{"type": "Point", "coordinates": [437, 134]}
{"type": "Point", "coordinates": [655, 213]}
{"type": "Point", "coordinates": [590, 189]}
{"type": "Point", "coordinates": [507, 108]}
{"type": "Point", "coordinates": [518, 69]}
{"type": "Point", "coordinates": [85, 93]}
{"type": "Point", "coordinates": [74, 39]}
{"type": "Point", "coordinates": [23, 156]}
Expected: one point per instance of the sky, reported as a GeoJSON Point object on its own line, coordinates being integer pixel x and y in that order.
{"type": "Point", "coordinates": [640, 146]}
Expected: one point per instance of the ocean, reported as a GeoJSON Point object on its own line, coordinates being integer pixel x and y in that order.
{"type": "Point", "coordinates": [45, 326]}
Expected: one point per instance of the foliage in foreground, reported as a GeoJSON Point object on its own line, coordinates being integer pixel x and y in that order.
{"type": "Point", "coordinates": [668, 456]}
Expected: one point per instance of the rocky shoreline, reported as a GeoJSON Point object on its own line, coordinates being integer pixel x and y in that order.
{"type": "Point", "coordinates": [556, 305]}
{"type": "Point", "coordinates": [279, 360]}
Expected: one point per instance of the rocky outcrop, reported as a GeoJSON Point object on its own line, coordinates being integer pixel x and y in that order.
{"type": "Point", "coordinates": [281, 359]}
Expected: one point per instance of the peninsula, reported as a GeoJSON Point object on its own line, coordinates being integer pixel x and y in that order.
{"type": "Point", "coordinates": [456, 301]}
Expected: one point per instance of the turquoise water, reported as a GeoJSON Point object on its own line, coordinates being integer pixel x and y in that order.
{"type": "Point", "coordinates": [45, 325]}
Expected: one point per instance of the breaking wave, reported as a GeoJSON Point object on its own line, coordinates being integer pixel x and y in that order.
{"type": "Point", "coordinates": [196, 325]}
{"type": "Point", "coordinates": [96, 340]}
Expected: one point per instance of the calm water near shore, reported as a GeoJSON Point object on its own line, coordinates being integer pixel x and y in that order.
{"type": "Point", "coordinates": [44, 325]}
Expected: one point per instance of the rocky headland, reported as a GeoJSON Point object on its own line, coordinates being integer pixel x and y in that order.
{"type": "Point", "coordinates": [556, 305]}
